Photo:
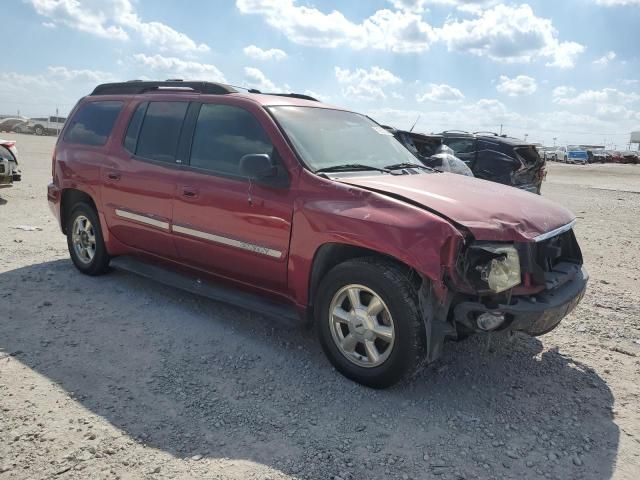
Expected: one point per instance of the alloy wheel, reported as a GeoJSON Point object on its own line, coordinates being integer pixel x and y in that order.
{"type": "Point", "coordinates": [83, 239]}
{"type": "Point", "coordinates": [361, 326]}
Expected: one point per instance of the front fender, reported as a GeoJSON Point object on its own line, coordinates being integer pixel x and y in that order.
{"type": "Point", "coordinates": [351, 216]}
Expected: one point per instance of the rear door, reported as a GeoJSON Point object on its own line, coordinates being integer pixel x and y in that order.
{"type": "Point", "coordinates": [222, 222]}
{"type": "Point", "coordinates": [139, 183]}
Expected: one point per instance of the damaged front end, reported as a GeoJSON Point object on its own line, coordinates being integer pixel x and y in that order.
{"type": "Point", "coordinates": [9, 171]}
{"type": "Point", "coordinates": [528, 287]}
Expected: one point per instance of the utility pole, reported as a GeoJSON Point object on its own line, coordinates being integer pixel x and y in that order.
{"type": "Point", "coordinates": [500, 129]}
{"type": "Point", "coordinates": [554, 141]}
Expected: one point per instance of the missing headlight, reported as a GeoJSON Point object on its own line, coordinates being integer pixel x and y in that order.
{"type": "Point", "coordinates": [492, 267]}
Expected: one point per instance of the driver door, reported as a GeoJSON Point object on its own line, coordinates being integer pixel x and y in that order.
{"type": "Point", "coordinates": [222, 222]}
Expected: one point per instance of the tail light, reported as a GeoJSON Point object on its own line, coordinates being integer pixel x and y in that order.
{"type": "Point", "coordinates": [9, 144]}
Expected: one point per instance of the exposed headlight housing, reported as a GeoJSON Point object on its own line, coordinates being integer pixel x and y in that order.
{"type": "Point", "coordinates": [493, 267]}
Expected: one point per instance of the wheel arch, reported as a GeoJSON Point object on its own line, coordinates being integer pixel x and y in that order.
{"type": "Point", "coordinates": [69, 198]}
{"type": "Point", "coordinates": [331, 254]}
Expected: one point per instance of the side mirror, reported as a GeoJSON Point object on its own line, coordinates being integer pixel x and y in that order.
{"type": "Point", "coordinates": [257, 166]}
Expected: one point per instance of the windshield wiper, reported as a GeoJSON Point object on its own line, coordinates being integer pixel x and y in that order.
{"type": "Point", "coordinates": [398, 166]}
{"type": "Point", "coordinates": [353, 167]}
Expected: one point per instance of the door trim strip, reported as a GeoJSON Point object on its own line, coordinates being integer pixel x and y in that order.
{"type": "Point", "coordinates": [228, 241]}
{"type": "Point", "coordinates": [142, 219]}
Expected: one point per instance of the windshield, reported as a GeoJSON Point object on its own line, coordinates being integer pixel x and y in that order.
{"type": "Point", "coordinates": [574, 148]}
{"type": "Point", "coordinates": [327, 138]}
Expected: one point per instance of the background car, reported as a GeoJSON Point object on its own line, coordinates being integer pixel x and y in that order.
{"type": "Point", "coordinates": [9, 124]}
{"type": "Point", "coordinates": [9, 171]}
{"type": "Point", "coordinates": [431, 151]}
{"type": "Point", "coordinates": [500, 159]}
{"type": "Point", "coordinates": [601, 156]}
{"type": "Point", "coordinates": [46, 125]}
{"type": "Point", "coordinates": [572, 154]}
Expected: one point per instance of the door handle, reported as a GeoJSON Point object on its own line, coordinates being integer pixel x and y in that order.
{"type": "Point", "coordinates": [113, 176]}
{"type": "Point", "coordinates": [189, 192]}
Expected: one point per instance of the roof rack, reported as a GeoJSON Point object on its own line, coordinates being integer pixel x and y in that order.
{"type": "Point", "coordinates": [135, 87]}
{"type": "Point", "coordinates": [290, 95]}
{"type": "Point", "coordinates": [481, 132]}
{"type": "Point", "coordinates": [456, 131]}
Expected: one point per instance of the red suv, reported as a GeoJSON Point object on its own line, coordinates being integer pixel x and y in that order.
{"type": "Point", "coordinates": [285, 205]}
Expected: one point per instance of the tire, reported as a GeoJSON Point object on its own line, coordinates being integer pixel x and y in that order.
{"type": "Point", "coordinates": [376, 277]}
{"type": "Point", "coordinates": [96, 260]}
{"type": "Point", "coordinates": [38, 130]}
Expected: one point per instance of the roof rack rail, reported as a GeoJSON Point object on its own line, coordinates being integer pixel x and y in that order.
{"type": "Point", "coordinates": [456, 131]}
{"type": "Point", "coordinates": [480, 132]}
{"type": "Point", "coordinates": [300, 96]}
{"type": "Point", "coordinates": [135, 87]}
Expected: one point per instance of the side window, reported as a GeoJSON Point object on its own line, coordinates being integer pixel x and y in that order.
{"type": "Point", "coordinates": [461, 145]}
{"type": "Point", "coordinates": [133, 130]}
{"type": "Point", "coordinates": [160, 131]}
{"type": "Point", "coordinates": [93, 122]}
{"type": "Point", "coordinates": [223, 135]}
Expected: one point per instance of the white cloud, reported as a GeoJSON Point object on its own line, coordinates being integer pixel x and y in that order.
{"type": "Point", "coordinates": [417, 6]}
{"type": "Point", "coordinates": [83, 75]}
{"type": "Point", "coordinates": [48, 25]}
{"type": "Point", "coordinates": [512, 34]}
{"type": "Point", "coordinates": [172, 67]}
{"type": "Point", "coordinates": [258, 53]}
{"type": "Point", "coordinates": [366, 84]}
{"type": "Point", "coordinates": [563, 91]}
{"type": "Point", "coordinates": [506, 33]}
{"type": "Point", "coordinates": [604, 96]}
{"type": "Point", "coordinates": [396, 31]}
{"type": "Point", "coordinates": [256, 79]}
{"type": "Point", "coordinates": [617, 3]}
{"type": "Point", "coordinates": [604, 60]}
{"type": "Point", "coordinates": [440, 94]}
{"type": "Point", "coordinates": [114, 19]}
{"type": "Point", "coordinates": [517, 86]}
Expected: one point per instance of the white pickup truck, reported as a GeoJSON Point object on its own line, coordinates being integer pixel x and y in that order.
{"type": "Point", "coordinates": [46, 125]}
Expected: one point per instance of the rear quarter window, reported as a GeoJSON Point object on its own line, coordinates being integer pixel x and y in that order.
{"type": "Point", "coordinates": [93, 122]}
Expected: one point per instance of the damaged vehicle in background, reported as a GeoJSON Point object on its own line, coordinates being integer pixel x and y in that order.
{"type": "Point", "coordinates": [293, 208]}
{"type": "Point", "coordinates": [9, 171]}
{"type": "Point", "coordinates": [499, 158]}
{"type": "Point", "coordinates": [431, 151]}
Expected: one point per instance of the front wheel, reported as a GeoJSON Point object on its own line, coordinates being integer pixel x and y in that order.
{"type": "Point", "coordinates": [368, 322]}
{"type": "Point", "coordinates": [38, 130]}
{"type": "Point", "coordinates": [84, 239]}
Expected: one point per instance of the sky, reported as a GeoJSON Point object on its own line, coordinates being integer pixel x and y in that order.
{"type": "Point", "coordinates": [554, 71]}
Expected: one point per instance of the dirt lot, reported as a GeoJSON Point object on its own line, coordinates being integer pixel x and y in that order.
{"type": "Point", "coordinates": [119, 377]}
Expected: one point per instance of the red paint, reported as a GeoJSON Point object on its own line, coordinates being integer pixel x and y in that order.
{"type": "Point", "coordinates": [296, 220]}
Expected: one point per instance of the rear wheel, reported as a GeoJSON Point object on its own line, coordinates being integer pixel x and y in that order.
{"type": "Point", "coordinates": [38, 130]}
{"type": "Point", "coordinates": [369, 323]}
{"type": "Point", "coordinates": [84, 239]}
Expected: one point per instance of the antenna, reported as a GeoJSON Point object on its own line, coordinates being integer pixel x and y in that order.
{"type": "Point", "coordinates": [414, 124]}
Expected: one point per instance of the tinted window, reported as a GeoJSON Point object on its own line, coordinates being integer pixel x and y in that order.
{"type": "Point", "coordinates": [160, 131]}
{"type": "Point", "coordinates": [93, 122]}
{"type": "Point", "coordinates": [461, 145]}
{"type": "Point", "coordinates": [223, 135]}
{"type": "Point", "coordinates": [134, 128]}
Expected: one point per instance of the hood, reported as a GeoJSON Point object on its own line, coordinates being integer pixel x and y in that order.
{"type": "Point", "coordinates": [490, 211]}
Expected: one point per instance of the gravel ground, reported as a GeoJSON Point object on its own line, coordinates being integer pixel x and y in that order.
{"type": "Point", "coordinates": [119, 377]}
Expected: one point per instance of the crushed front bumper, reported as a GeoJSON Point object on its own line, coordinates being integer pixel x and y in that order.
{"type": "Point", "coordinates": [9, 173]}
{"type": "Point", "coordinates": [534, 315]}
